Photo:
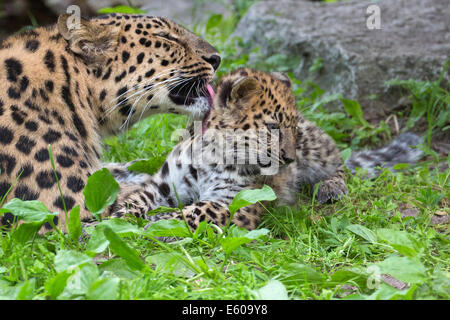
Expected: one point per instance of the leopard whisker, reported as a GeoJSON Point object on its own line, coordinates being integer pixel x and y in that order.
{"type": "Point", "coordinates": [144, 91]}
{"type": "Point", "coordinates": [146, 83]}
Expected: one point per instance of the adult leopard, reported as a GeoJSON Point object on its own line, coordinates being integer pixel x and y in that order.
{"type": "Point", "coordinates": [71, 87]}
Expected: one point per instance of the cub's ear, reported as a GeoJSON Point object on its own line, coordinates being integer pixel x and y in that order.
{"type": "Point", "coordinates": [93, 42]}
{"type": "Point", "coordinates": [283, 78]}
{"type": "Point", "coordinates": [244, 88]}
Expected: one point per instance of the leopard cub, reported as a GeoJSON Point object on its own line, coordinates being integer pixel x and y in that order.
{"type": "Point", "coordinates": [254, 108]}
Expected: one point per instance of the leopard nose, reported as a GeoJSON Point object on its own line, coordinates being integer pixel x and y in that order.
{"type": "Point", "coordinates": [213, 60]}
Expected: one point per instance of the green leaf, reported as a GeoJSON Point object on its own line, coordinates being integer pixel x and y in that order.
{"type": "Point", "coordinates": [161, 209]}
{"type": "Point", "coordinates": [346, 154]}
{"type": "Point", "coordinates": [119, 268]}
{"type": "Point", "coordinates": [353, 108]}
{"type": "Point", "coordinates": [441, 283]}
{"type": "Point", "coordinates": [386, 292]}
{"type": "Point", "coordinates": [121, 227]}
{"type": "Point", "coordinates": [56, 285]}
{"type": "Point", "coordinates": [296, 273]}
{"type": "Point", "coordinates": [273, 290]}
{"type": "Point", "coordinates": [258, 233]}
{"type": "Point", "coordinates": [406, 269]}
{"type": "Point", "coordinates": [104, 289]}
{"type": "Point", "coordinates": [101, 191]}
{"type": "Point", "coordinates": [80, 281]}
{"type": "Point", "coordinates": [33, 213]}
{"type": "Point", "coordinates": [26, 231]}
{"type": "Point", "coordinates": [74, 225]}
{"type": "Point", "coordinates": [246, 197]}
{"type": "Point", "coordinates": [168, 228]}
{"type": "Point", "coordinates": [8, 292]}
{"type": "Point", "coordinates": [121, 9]}
{"type": "Point", "coordinates": [78, 273]}
{"type": "Point", "coordinates": [26, 291]}
{"type": "Point", "coordinates": [97, 242]}
{"type": "Point", "coordinates": [400, 166]}
{"type": "Point", "coordinates": [363, 232]}
{"type": "Point", "coordinates": [401, 241]}
{"type": "Point", "coordinates": [171, 263]}
{"type": "Point", "coordinates": [229, 244]}
{"type": "Point", "coordinates": [149, 166]}
{"type": "Point", "coordinates": [202, 226]}
{"type": "Point", "coordinates": [29, 211]}
{"type": "Point", "coordinates": [70, 259]}
{"type": "Point", "coordinates": [118, 246]}
{"type": "Point", "coordinates": [350, 275]}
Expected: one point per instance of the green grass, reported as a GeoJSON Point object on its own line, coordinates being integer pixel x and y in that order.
{"type": "Point", "coordinates": [308, 251]}
{"type": "Point", "coordinates": [311, 251]}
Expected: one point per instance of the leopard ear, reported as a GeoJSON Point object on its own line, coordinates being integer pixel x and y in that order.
{"type": "Point", "coordinates": [283, 77]}
{"type": "Point", "coordinates": [93, 42]}
{"type": "Point", "coordinates": [244, 88]}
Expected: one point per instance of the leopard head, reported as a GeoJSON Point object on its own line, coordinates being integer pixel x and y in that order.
{"type": "Point", "coordinates": [262, 107]}
{"type": "Point", "coordinates": [142, 65]}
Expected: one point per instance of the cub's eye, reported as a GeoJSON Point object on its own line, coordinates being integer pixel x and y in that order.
{"type": "Point", "coordinates": [272, 126]}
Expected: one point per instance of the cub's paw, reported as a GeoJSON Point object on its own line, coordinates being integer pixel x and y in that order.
{"type": "Point", "coordinates": [129, 207]}
{"type": "Point", "coordinates": [330, 190]}
{"type": "Point", "coordinates": [130, 201]}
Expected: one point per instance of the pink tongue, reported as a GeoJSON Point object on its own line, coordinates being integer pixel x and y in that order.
{"type": "Point", "coordinates": [211, 93]}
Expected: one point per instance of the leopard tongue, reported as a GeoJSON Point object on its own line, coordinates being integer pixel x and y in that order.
{"type": "Point", "coordinates": [211, 106]}
{"type": "Point", "coordinates": [211, 95]}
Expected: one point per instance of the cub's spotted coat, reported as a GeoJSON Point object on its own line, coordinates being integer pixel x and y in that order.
{"type": "Point", "coordinates": [69, 88]}
{"type": "Point", "coordinates": [208, 189]}
{"type": "Point", "coordinates": [246, 101]}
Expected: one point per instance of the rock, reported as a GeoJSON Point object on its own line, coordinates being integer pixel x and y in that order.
{"type": "Point", "coordinates": [413, 42]}
{"type": "Point", "coordinates": [185, 12]}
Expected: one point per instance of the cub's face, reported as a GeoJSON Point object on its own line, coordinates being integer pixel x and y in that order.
{"type": "Point", "coordinates": [262, 106]}
{"type": "Point", "coordinates": [145, 65]}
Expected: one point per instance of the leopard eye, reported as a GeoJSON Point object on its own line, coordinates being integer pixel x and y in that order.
{"type": "Point", "coordinates": [167, 36]}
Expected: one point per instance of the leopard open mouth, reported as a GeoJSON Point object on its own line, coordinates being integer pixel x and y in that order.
{"type": "Point", "coordinates": [188, 92]}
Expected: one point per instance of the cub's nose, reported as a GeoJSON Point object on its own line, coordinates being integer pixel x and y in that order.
{"type": "Point", "coordinates": [213, 60]}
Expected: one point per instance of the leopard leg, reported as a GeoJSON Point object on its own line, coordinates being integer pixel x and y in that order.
{"type": "Point", "coordinates": [216, 212]}
{"type": "Point", "coordinates": [318, 160]}
{"type": "Point", "coordinates": [132, 199]}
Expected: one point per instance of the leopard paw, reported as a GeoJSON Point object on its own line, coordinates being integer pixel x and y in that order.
{"type": "Point", "coordinates": [331, 190]}
{"type": "Point", "coordinates": [129, 206]}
